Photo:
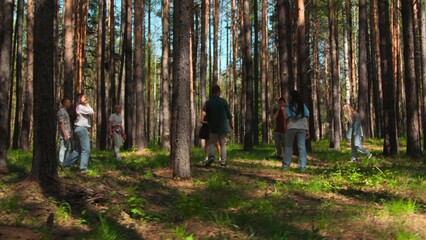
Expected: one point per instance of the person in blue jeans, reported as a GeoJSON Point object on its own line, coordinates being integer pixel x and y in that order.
{"type": "Point", "coordinates": [83, 113]}
{"type": "Point", "coordinates": [355, 133]}
{"type": "Point", "coordinates": [297, 121]}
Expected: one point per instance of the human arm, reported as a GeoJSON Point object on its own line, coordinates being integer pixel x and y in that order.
{"type": "Point", "coordinates": [202, 115]}
{"type": "Point", "coordinates": [64, 131]}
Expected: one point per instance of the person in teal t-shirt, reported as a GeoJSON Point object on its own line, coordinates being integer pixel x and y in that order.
{"type": "Point", "coordinates": [220, 124]}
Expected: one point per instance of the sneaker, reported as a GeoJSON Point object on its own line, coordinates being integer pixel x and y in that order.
{"type": "Point", "coordinates": [352, 160]}
{"type": "Point", "coordinates": [209, 162]}
{"type": "Point", "coordinates": [369, 156]}
{"type": "Point", "coordinates": [223, 165]}
{"type": "Point", "coordinates": [83, 171]}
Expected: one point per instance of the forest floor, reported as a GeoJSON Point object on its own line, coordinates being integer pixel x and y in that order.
{"type": "Point", "coordinates": [253, 198]}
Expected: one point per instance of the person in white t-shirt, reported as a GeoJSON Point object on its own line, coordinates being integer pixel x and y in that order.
{"type": "Point", "coordinates": [116, 130]}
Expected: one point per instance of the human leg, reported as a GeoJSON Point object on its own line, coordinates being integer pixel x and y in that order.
{"type": "Point", "coordinates": [83, 137]}
{"type": "Point", "coordinates": [301, 141]}
{"type": "Point", "coordinates": [223, 139]}
{"type": "Point", "coordinates": [219, 153]}
{"type": "Point", "coordinates": [117, 144]}
{"type": "Point", "coordinates": [213, 138]}
{"type": "Point", "coordinates": [278, 144]}
{"type": "Point", "coordinates": [291, 134]}
{"type": "Point", "coordinates": [358, 146]}
{"type": "Point", "coordinates": [62, 150]}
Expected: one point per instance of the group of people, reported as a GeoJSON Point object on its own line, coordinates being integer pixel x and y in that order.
{"type": "Point", "coordinates": [77, 133]}
{"type": "Point", "coordinates": [216, 119]}
{"type": "Point", "coordinates": [291, 122]}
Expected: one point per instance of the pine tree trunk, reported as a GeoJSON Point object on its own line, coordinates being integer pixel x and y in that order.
{"type": "Point", "coordinates": [389, 128]}
{"type": "Point", "coordinates": [69, 48]}
{"type": "Point", "coordinates": [111, 66]}
{"type": "Point", "coordinates": [284, 47]}
{"type": "Point", "coordinates": [5, 77]}
{"type": "Point", "coordinates": [129, 84]}
{"type": "Point", "coordinates": [82, 18]}
{"type": "Point", "coordinates": [165, 78]}
{"type": "Point", "coordinates": [256, 74]}
{"type": "Point", "coordinates": [264, 76]}
{"type": "Point", "coordinates": [234, 67]}
{"type": "Point", "coordinates": [216, 42]}
{"type": "Point", "coordinates": [28, 104]}
{"type": "Point", "coordinates": [181, 125]}
{"type": "Point", "coordinates": [139, 63]}
{"type": "Point", "coordinates": [423, 68]}
{"type": "Point", "coordinates": [149, 87]}
{"type": "Point", "coordinates": [351, 50]}
{"type": "Point", "coordinates": [247, 66]}
{"type": "Point", "coordinates": [44, 165]}
{"type": "Point", "coordinates": [413, 136]}
{"type": "Point", "coordinates": [18, 82]}
{"type": "Point", "coordinates": [378, 92]}
{"type": "Point", "coordinates": [363, 71]}
{"type": "Point", "coordinates": [316, 80]}
{"type": "Point", "coordinates": [336, 123]}
{"type": "Point", "coordinates": [101, 121]}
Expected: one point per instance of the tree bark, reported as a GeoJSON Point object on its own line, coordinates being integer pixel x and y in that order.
{"type": "Point", "coordinates": [264, 75]}
{"type": "Point", "coordinates": [129, 84]}
{"type": "Point", "coordinates": [28, 104]}
{"type": "Point", "coordinates": [334, 79]}
{"type": "Point", "coordinates": [284, 47]}
{"type": "Point", "coordinates": [181, 125]}
{"type": "Point", "coordinates": [165, 78]}
{"type": "Point", "coordinates": [234, 67]}
{"type": "Point", "coordinates": [363, 72]}
{"type": "Point", "coordinates": [5, 78]}
{"type": "Point", "coordinates": [111, 66]}
{"type": "Point", "coordinates": [139, 63]}
{"type": "Point", "coordinates": [82, 18]}
{"type": "Point", "coordinates": [216, 42]}
{"type": "Point", "coordinates": [423, 68]}
{"type": "Point", "coordinates": [69, 48]}
{"type": "Point", "coordinates": [256, 73]}
{"type": "Point", "coordinates": [389, 128]}
{"type": "Point", "coordinates": [44, 165]}
{"type": "Point", "coordinates": [247, 66]}
{"type": "Point", "coordinates": [413, 136]}
{"type": "Point", "coordinates": [101, 118]}
{"type": "Point", "coordinates": [18, 70]}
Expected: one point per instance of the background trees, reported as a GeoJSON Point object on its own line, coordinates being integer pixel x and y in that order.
{"type": "Point", "coordinates": [297, 48]}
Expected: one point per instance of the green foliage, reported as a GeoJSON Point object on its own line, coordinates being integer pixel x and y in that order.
{"type": "Point", "coordinates": [10, 204]}
{"type": "Point", "coordinates": [180, 234]}
{"type": "Point", "coordinates": [400, 207]}
{"type": "Point", "coordinates": [108, 230]}
{"type": "Point", "coordinates": [63, 213]}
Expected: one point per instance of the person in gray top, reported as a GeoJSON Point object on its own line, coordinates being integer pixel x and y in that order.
{"type": "Point", "coordinates": [355, 133]}
{"type": "Point", "coordinates": [64, 129]}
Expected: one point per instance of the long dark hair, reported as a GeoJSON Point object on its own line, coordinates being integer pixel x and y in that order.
{"type": "Point", "coordinates": [296, 103]}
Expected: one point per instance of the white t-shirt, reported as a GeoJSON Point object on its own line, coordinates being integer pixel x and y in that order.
{"type": "Point", "coordinates": [84, 113]}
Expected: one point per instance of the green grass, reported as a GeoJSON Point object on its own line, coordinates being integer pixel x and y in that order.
{"type": "Point", "coordinates": [247, 200]}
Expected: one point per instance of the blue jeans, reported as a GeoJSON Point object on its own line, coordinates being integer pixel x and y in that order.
{"type": "Point", "coordinates": [64, 149]}
{"type": "Point", "coordinates": [300, 134]}
{"type": "Point", "coordinates": [357, 147]}
{"type": "Point", "coordinates": [82, 149]}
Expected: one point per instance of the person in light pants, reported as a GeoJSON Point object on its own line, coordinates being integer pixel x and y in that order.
{"type": "Point", "coordinates": [116, 130]}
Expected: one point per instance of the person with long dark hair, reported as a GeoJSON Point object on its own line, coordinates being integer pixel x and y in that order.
{"type": "Point", "coordinates": [83, 118]}
{"type": "Point", "coordinates": [297, 115]}
{"type": "Point", "coordinates": [355, 133]}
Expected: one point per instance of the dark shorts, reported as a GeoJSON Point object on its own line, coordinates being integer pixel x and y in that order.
{"type": "Point", "coordinates": [204, 132]}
